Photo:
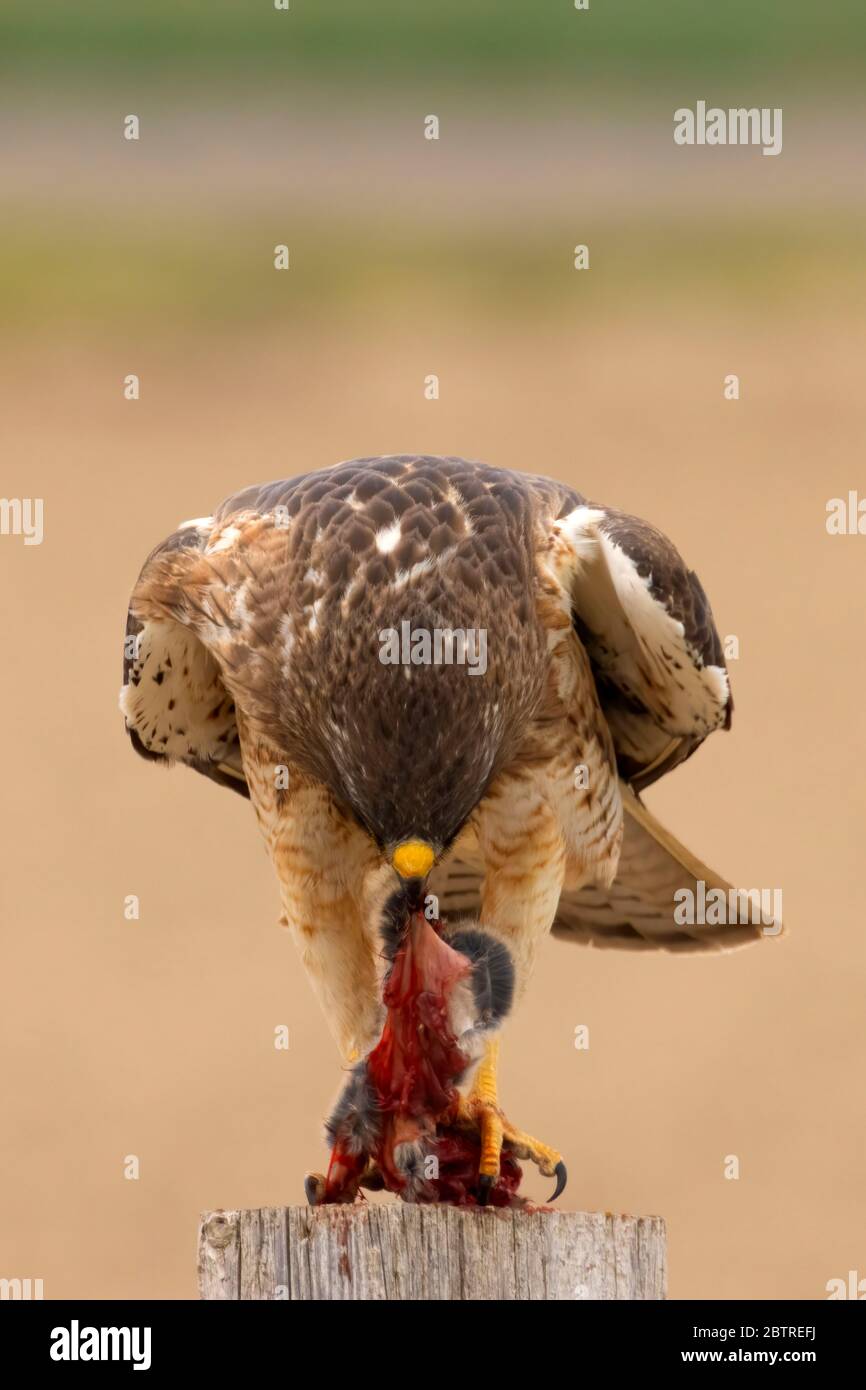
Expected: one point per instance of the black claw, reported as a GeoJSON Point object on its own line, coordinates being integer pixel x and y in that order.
{"type": "Point", "coordinates": [314, 1186]}
{"type": "Point", "coordinates": [485, 1187]}
{"type": "Point", "coordinates": [561, 1179]}
{"type": "Point", "coordinates": [373, 1180]}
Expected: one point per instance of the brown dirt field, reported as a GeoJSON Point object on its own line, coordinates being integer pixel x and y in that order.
{"type": "Point", "coordinates": [155, 1038]}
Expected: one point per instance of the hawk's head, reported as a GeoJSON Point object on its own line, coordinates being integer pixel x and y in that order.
{"type": "Point", "coordinates": [409, 710]}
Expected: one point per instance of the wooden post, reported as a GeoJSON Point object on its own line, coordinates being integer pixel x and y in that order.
{"type": "Point", "coordinates": [402, 1252]}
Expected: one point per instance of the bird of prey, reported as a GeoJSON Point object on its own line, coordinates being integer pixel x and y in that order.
{"type": "Point", "coordinates": [446, 676]}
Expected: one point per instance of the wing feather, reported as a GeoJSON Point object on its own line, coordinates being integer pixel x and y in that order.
{"type": "Point", "coordinates": [649, 633]}
{"type": "Point", "coordinates": [173, 700]}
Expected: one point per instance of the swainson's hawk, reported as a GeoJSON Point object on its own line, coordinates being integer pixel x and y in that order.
{"type": "Point", "coordinates": [453, 672]}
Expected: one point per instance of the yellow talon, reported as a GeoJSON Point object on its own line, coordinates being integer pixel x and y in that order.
{"type": "Point", "coordinates": [523, 1145]}
{"type": "Point", "coordinates": [485, 1082]}
{"type": "Point", "coordinates": [491, 1144]}
{"type": "Point", "coordinates": [480, 1110]}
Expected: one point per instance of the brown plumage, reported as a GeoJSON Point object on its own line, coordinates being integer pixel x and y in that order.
{"type": "Point", "coordinates": [257, 659]}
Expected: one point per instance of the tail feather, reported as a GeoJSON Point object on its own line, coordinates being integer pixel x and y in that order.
{"type": "Point", "coordinates": [637, 911]}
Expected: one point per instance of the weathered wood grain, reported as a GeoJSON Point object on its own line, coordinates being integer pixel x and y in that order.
{"type": "Point", "coordinates": [404, 1252]}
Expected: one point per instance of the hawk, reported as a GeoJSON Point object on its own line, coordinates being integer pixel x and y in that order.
{"type": "Point", "coordinates": [445, 676]}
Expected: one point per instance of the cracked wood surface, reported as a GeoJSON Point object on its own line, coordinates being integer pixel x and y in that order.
{"type": "Point", "coordinates": [403, 1252]}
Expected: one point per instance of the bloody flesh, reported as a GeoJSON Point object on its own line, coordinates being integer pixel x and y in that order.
{"type": "Point", "coordinates": [413, 1071]}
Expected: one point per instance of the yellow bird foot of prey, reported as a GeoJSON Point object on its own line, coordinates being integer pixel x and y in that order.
{"type": "Point", "coordinates": [480, 1111]}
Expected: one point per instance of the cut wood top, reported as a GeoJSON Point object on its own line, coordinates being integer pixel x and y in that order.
{"type": "Point", "coordinates": [401, 1252]}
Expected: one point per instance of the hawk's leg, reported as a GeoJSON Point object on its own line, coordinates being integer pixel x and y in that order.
{"type": "Point", "coordinates": [480, 1110]}
{"type": "Point", "coordinates": [524, 858]}
{"type": "Point", "coordinates": [322, 861]}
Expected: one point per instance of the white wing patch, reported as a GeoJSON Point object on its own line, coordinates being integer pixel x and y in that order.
{"type": "Point", "coordinates": [387, 538]}
{"type": "Point", "coordinates": [633, 640]}
{"type": "Point", "coordinates": [692, 697]}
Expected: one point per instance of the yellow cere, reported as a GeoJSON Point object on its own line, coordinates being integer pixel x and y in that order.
{"type": "Point", "coordinates": [413, 859]}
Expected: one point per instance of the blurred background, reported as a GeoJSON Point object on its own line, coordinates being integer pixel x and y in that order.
{"type": "Point", "coordinates": [409, 258]}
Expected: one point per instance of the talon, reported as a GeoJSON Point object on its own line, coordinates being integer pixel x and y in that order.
{"type": "Point", "coordinates": [561, 1179]}
{"type": "Point", "coordinates": [480, 1111]}
{"type": "Point", "coordinates": [373, 1179]}
{"type": "Point", "coordinates": [485, 1187]}
{"type": "Point", "coordinates": [314, 1189]}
